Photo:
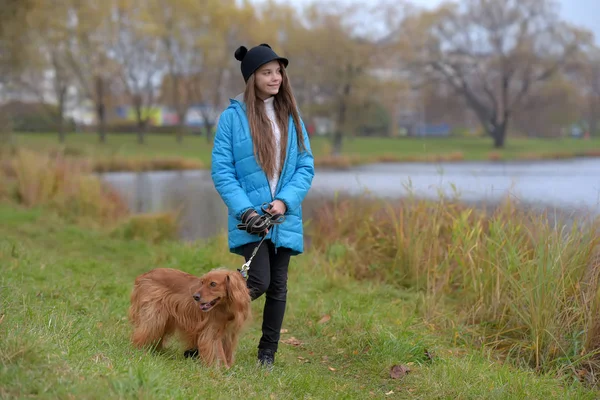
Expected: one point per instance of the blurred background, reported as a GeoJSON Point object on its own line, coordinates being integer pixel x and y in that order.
{"type": "Point", "coordinates": [478, 99]}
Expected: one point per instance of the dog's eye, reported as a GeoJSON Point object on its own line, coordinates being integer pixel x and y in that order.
{"type": "Point", "coordinates": [213, 284]}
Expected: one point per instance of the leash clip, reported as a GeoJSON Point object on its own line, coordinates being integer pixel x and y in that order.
{"type": "Point", "coordinates": [246, 265]}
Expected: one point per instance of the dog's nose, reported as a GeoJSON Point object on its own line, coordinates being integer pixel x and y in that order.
{"type": "Point", "coordinates": [196, 297]}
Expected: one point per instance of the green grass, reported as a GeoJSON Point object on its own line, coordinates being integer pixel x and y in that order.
{"type": "Point", "coordinates": [356, 150]}
{"type": "Point", "coordinates": [471, 148]}
{"type": "Point", "coordinates": [64, 293]}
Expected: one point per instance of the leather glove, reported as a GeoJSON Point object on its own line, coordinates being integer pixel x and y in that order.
{"type": "Point", "coordinates": [253, 223]}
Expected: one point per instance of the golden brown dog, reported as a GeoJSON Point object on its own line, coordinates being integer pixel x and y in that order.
{"type": "Point", "coordinates": [208, 312]}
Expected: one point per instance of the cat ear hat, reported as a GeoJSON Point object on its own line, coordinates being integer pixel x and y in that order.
{"type": "Point", "coordinates": [256, 57]}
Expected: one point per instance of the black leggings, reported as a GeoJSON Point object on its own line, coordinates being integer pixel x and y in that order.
{"type": "Point", "coordinates": [268, 274]}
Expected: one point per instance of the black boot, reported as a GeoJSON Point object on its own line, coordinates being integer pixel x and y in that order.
{"type": "Point", "coordinates": [266, 357]}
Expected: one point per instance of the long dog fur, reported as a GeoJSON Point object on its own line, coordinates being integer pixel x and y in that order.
{"type": "Point", "coordinates": [165, 301]}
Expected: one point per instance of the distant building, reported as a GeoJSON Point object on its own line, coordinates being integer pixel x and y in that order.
{"type": "Point", "coordinates": [166, 116]}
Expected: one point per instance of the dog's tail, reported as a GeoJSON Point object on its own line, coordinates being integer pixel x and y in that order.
{"type": "Point", "coordinates": [135, 305]}
{"type": "Point", "coordinates": [148, 317]}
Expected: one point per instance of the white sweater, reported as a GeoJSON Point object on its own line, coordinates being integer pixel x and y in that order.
{"type": "Point", "coordinates": [275, 127]}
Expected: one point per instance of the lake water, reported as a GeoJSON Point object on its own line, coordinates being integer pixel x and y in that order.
{"type": "Point", "coordinates": [571, 185]}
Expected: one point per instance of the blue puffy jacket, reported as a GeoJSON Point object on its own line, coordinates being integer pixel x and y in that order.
{"type": "Point", "coordinates": [242, 184]}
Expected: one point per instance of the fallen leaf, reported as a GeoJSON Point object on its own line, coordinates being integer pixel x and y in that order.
{"type": "Point", "coordinates": [2, 318]}
{"type": "Point", "coordinates": [324, 319]}
{"type": "Point", "coordinates": [389, 393]}
{"type": "Point", "coordinates": [292, 341]}
{"type": "Point", "coordinates": [284, 331]}
{"type": "Point", "coordinates": [332, 369]}
{"type": "Point", "coordinates": [399, 371]}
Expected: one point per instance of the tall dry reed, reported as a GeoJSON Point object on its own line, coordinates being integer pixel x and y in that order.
{"type": "Point", "coordinates": [522, 282]}
{"type": "Point", "coordinates": [63, 185]}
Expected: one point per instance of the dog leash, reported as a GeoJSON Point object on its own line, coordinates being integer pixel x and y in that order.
{"type": "Point", "coordinates": [272, 219]}
{"type": "Point", "coordinates": [246, 266]}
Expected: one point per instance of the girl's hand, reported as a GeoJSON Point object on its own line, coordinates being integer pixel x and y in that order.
{"type": "Point", "coordinates": [277, 207]}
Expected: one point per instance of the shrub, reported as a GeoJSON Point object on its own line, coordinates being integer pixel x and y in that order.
{"type": "Point", "coordinates": [64, 186]}
{"type": "Point", "coordinates": [156, 227]}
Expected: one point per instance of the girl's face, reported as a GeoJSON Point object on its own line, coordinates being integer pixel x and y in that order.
{"type": "Point", "coordinates": [268, 80]}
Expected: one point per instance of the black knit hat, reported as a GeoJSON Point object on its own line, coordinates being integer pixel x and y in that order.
{"type": "Point", "coordinates": [256, 57]}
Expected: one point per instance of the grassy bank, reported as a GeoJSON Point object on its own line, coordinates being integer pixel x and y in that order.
{"type": "Point", "coordinates": [64, 333]}
{"type": "Point", "coordinates": [474, 304]}
{"type": "Point", "coordinates": [121, 152]}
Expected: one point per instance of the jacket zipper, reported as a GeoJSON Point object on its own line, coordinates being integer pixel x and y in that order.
{"type": "Point", "coordinates": [285, 161]}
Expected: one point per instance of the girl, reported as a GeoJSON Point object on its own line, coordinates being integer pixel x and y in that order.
{"type": "Point", "coordinates": [262, 155]}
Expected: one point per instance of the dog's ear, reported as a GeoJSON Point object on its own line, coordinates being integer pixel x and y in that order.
{"type": "Point", "coordinates": [237, 291]}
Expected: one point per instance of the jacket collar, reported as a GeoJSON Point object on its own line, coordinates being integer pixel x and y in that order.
{"type": "Point", "coordinates": [238, 101]}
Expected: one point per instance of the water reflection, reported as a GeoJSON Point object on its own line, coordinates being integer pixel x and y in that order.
{"type": "Point", "coordinates": [570, 184]}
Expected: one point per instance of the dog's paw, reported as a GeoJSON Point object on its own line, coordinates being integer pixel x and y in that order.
{"type": "Point", "coordinates": [191, 353]}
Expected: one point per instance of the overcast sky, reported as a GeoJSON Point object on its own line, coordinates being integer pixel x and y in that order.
{"type": "Point", "coordinates": [582, 12]}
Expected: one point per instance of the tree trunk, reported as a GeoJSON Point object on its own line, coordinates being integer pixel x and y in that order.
{"type": "Point", "coordinates": [141, 121]}
{"type": "Point", "coordinates": [61, 116]}
{"type": "Point", "coordinates": [341, 122]}
{"type": "Point", "coordinates": [208, 125]}
{"type": "Point", "coordinates": [208, 128]}
{"type": "Point", "coordinates": [593, 119]}
{"type": "Point", "coordinates": [141, 126]}
{"type": "Point", "coordinates": [61, 127]}
{"type": "Point", "coordinates": [100, 109]}
{"type": "Point", "coordinates": [140, 132]}
{"type": "Point", "coordinates": [336, 150]}
{"type": "Point", "coordinates": [216, 100]}
{"type": "Point", "coordinates": [101, 115]}
{"type": "Point", "coordinates": [180, 125]}
{"type": "Point", "coordinates": [6, 138]}
{"type": "Point", "coordinates": [499, 135]}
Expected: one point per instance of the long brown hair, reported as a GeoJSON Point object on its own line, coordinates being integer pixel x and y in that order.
{"type": "Point", "coordinates": [260, 127]}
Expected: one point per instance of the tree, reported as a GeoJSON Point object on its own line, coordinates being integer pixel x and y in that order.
{"type": "Point", "coordinates": [49, 65]}
{"type": "Point", "coordinates": [594, 92]}
{"type": "Point", "coordinates": [556, 105]}
{"type": "Point", "coordinates": [136, 48]}
{"type": "Point", "coordinates": [87, 55]}
{"type": "Point", "coordinates": [199, 42]}
{"type": "Point", "coordinates": [14, 32]}
{"type": "Point", "coordinates": [179, 24]}
{"type": "Point", "coordinates": [494, 53]}
{"type": "Point", "coordinates": [587, 72]}
{"type": "Point", "coordinates": [229, 25]}
{"type": "Point", "coordinates": [336, 69]}
{"type": "Point", "coordinates": [15, 50]}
